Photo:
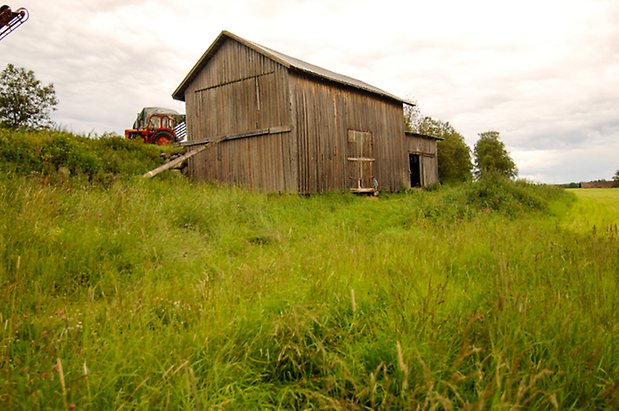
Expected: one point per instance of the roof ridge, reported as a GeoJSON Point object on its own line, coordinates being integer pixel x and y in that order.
{"type": "Point", "coordinates": [288, 62]}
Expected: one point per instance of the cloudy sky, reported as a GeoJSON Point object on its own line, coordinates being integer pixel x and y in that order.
{"type": "Point", "coordinates": [543, 73]}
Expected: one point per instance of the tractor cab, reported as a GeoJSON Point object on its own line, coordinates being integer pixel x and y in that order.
{"type": "Point", "coordinates": [157, 121]}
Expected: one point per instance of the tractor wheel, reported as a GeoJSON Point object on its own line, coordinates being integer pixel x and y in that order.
{"type": "Point", "coordinates": [163, 138]}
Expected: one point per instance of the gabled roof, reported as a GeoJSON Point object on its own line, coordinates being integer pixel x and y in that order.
{"type": "Point", "coordinates": [286, 61]}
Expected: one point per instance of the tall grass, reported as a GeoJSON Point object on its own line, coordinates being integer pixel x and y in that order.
{"type": "Point", "coordinates": [167, 294]}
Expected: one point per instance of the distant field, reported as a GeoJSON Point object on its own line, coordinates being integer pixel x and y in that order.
{"type": "Point", "coordinates": [117, 292]}
{"type": "Point", "coordinates": [605, 197]}
{"type": "Point", "coordinates": [597, 207]}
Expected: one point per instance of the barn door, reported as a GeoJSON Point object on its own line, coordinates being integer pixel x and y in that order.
{"type": "Point", "coordinates": [360, 161]}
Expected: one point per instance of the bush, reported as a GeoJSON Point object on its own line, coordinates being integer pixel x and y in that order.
{"type": "Point", "coordinates": [62, 152]}
{"type": "Point", "coordinates": [491, 193]}
{"type": "Point", "coordinates": [496, 193]}
{"type": "Point", "coordinates": [16, 155]}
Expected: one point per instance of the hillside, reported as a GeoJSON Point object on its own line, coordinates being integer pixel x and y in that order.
{"type": "Point", "coordinates": [118, 292]}
{"type": "Point", "coordinates": [59, 155]}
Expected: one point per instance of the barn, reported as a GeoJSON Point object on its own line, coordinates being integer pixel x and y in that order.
{"type": "Point", "coordinates": [279, 124]}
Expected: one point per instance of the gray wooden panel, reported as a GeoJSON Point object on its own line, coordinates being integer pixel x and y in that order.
{"type": "Point", "coordinates": [323, 114]}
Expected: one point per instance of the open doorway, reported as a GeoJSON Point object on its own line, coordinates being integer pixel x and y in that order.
{"type": "Point", "coordinates": [415, 170]}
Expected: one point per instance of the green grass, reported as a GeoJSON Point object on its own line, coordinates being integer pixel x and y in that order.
{"type": "Point", "coordinates": [163, 294]}
{"type": "Point", "coordinates": [596, 211]}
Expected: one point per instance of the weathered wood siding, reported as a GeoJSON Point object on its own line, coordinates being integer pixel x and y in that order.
{"type": "Point", "coordinates": [279, 128]}
{"type": "Point", "coordinates": [324, 113]}
{"type": "Point", "coordinates": [426, 148]}
{"type": "Point", "coordinates": [240, 91]}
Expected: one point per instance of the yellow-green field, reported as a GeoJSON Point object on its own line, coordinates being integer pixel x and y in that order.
{"type": "Point", "coordinates": [596, 207]}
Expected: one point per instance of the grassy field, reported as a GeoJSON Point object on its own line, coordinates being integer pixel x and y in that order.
{"type": "Point", "coordinates": [596, 211]}
{"type": "Point", "coordinates": [121, 293]}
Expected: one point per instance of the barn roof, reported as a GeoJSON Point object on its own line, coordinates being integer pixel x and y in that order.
{"type": "Point", "coordinates": [284, 60]}
{"type": "Point", "coordinates": [415, 134]}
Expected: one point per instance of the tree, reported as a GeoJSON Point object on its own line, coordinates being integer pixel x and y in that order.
{"type": "Point", "coordinates": [491, 157]}
{"type": "Point", "coordinates": [24, 101]}
{"type": "Point", "coordinates": [454, 156]}
{"type": "Point", "coordinates": [412, 117]}
{"type": "Point", "coordinates": [616, 178]}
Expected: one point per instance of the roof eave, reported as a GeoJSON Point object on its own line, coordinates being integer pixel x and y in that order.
{"type": "Point", "coordinates": [374, 91]}
{"type": "Point", "coordinates": [415, 134]}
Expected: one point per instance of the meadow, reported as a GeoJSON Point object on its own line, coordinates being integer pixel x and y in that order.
{"type": "Point", "coordinates": [118, 292]}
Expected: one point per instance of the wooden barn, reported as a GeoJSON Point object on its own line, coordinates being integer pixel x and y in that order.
{"type": "Point", "coordinates": [279, 124]}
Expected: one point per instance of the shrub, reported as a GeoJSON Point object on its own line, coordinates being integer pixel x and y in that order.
{"type": "Point", "coordinates": [497, 193]}
{"type": "Point", "coordinates": [17, 156]}
{"type": "Point", "coordinates": [62, 152]}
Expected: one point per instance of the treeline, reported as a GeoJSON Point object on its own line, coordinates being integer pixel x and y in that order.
{"type": "Point", "coordinates": [456, 161]}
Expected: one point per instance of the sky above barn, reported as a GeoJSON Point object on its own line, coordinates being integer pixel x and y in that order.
{"type": "Point", "coordinates": [543, 73]}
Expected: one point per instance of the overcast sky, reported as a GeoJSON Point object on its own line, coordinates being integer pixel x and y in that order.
{"type": "Point", "coordinates": [543, 73]}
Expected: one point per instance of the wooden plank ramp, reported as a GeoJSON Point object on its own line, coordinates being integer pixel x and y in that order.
{"type": "Point", "coordinates": [175, 162]}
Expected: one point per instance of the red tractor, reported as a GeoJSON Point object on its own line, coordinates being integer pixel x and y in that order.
{"type": "Point", "coordinates": [157, 125]}
{"type": "Point", "coordinates": [10, 20]}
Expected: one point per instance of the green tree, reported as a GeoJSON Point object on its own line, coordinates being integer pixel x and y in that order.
{"type": "Point", "coordinates": [616, 178]}
{"type": "Point", "coordinates": [491, 157]}
{"type": "Point", "coordinates": [454, 156]}
{"type": "Point", "coordinates": [24, 101]}
{"type": "Point", "coordinates": [412, 117]}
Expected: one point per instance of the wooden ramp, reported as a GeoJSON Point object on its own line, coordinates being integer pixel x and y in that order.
{"type": "Point", "coordinates": [175, 162]}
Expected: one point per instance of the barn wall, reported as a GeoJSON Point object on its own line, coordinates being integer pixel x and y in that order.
{"type": "Point", "coordinates": [254, 163]}
{"type": "Point", "coordinates": [324, 114]}
{"type": "Point", "coordinates": [426, 148]}
{"type": "Point", "coordinates": [238, 92]}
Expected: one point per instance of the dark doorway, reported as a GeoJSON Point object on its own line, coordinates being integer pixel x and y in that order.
{"type": "Point", "coordinates": [415, 167]}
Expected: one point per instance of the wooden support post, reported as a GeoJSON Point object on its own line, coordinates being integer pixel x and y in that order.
{"type": "Point", "coordinates": [175, 162]}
